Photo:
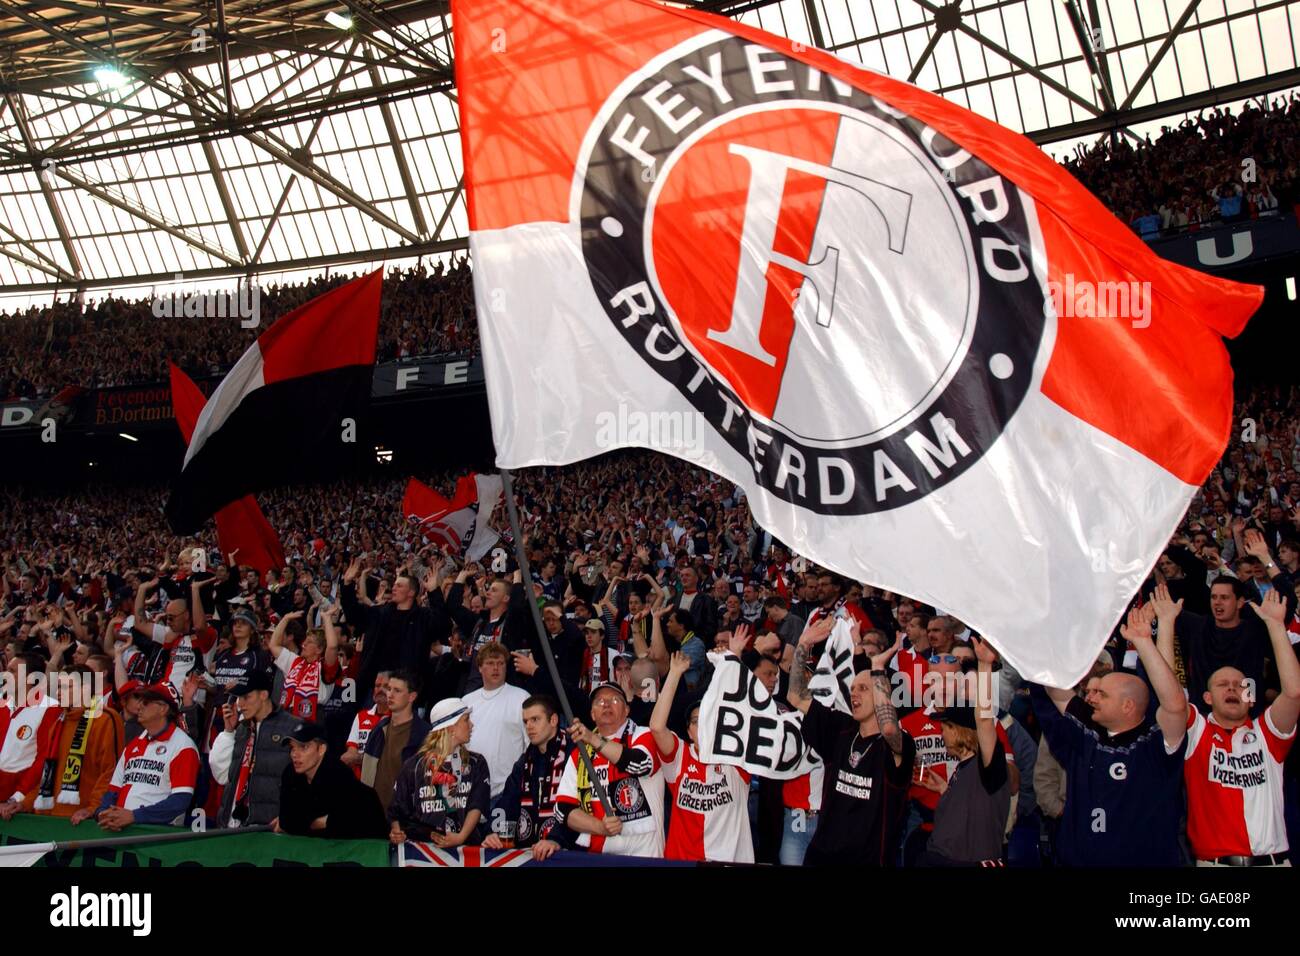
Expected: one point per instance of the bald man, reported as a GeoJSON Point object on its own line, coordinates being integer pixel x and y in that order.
{"type": "Point", "coordinates": [1123, 773]}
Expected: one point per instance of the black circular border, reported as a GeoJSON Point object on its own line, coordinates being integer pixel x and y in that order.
{"type": "Point", "coordinates": [1010, 319]}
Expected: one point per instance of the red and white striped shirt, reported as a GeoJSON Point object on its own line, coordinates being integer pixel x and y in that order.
{"type": "Point", "coordinates": [151, 769]}
{"type": "Point", "coordinates": [710, 818]}
{"type": "Point", "coordinates": [364, 722]}
{"type": "Point", "coordinates": [1234, 787]}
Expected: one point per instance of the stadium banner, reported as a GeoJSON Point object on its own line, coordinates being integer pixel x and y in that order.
{"type": "Point", "coordinates": [251, 849]}
{"type": "Point", "coordinates": [416, 376]}
{"type": "Point", "coordinates": [1217, 247]}
{"type": "Point", "coordinates": [149, 405]}
{"type": "Point", "coordinates": [415, 854]}
{"type": "Point", "coordinates": [63, 409]}
{"type": "Point", "coordinates": [930, 358]}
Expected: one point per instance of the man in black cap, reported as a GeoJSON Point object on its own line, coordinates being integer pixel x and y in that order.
{"type": "Point", "coordinates": [323, 798]}
{"type": "Point", "coordinates": [248, 757]}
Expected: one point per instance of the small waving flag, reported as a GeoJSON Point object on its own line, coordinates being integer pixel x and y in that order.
{"type": "Point", "coordinates": [272, 412]}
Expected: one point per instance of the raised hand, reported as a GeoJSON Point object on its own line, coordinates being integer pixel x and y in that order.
{"type": "Point", "coordinates": [1257, 547]}
{"type": "Point", "coordinates": [881, 661]}
{"type": "Point", "coordinates": [816, 633]}
{"type": "Point", "coordinates": [1137, 627]}
{"type": "Point", "coordinates": [984, 651]}
{"type": "Point", "coordinates": [1166, 607]}
{"type": "Point", "coordinates": [1273, 607]}
{"type": "Point", "coordinates": [739, 639]}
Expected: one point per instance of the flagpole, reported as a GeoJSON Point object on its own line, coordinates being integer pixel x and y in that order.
{"type": "Point", "coordinates": [526, 576]}
{"type": "Point", "coordinates": [139, 839]}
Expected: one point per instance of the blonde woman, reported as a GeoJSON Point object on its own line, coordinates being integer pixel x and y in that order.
{"type": "Point", "coordinates": [443, 793]}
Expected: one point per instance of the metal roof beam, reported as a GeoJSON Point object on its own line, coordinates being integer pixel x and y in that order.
{"type": "Point", "coordinates": [1010, 57]}
{"type": "Point", "coordinates": [1170, 37]}
{"type": "Point", "coordinates": [140, 211]}
{"type": "Point", "coordinates": [1157, 111]}
{"type": "Point", "coordinates": [403, 169]}
{"type": "Point", "coordinates": [239, 271]}
{"type": "Point", "coordinates": [51, 200]}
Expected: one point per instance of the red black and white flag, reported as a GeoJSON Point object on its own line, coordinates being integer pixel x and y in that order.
{"type": "Point", "coordinates": [931, 358]}
{"type": "Point", "coordinates": [243, 533]}
{"type": "Point", "coordinates": [283, 398]}
{"type": "Point", "coordinates": [462, 524]}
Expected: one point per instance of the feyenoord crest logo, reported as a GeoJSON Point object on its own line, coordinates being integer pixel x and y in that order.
{"type": "Point", "coordinates": [846, 295]}
{"type": "Point", "coordinates": [626, 795]}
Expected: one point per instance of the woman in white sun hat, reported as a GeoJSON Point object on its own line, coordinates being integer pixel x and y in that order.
{"type": "Point", "coordinates": [443, 793]}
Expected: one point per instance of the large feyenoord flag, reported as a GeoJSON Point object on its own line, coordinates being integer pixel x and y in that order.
{"type": "Point", "coordinates": [290, 390]}
{"type": "Point", "coordinates": [243, 533]}
{"type": "Point", "coordinates": [854, 289]}
{"type": "Point", "coordinates": [461, 524]}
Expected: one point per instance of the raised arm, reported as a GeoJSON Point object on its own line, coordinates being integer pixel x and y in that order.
{"type": "Point", "coordinates": [1172, 714]}
{"type": "Point", "coordinates": [141, 594]}
{"type": "Point", "coordinates": [665, 739]}
{"type": "Point", "coordinates": [1285, 710]}
{"type": "Point", "coordinates": [886, 715]}
{"type": "Point", "coordinates": [1258, 547]}
{"type": "Point", "coordinates": [1167, 611]}
{"type": "Point", "coordinates": [986, 710]}
{"type": "Point", "coordinates": [330, 621]}
{"type": "Point", "coordinates": [798, 697]}
{"type": "Point", "coordinates": [276, 644]}
{"type": "Point", "coordinates": [659, 649]}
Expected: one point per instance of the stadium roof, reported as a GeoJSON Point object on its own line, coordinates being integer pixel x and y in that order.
{"type": "Point", "coordinates": [229, 138]}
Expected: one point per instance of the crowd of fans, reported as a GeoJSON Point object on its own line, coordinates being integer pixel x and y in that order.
{"type": "Point", "coordinates": [424, 311]}
{"type": "Point", "coordinates": [413, 695]}
{"type": "Point", "coordinates": [1221, 166]}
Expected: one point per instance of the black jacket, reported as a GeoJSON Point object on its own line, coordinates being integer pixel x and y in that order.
{"type": "Point", "coordinates": [422, 808]}
{"type": "Point", "coordinates": [528, 800]}
{"type": "Point", "coordinates": [512, 629]}
{"type": "Point", "coordinates": [394, 639]}
{"type": "Point", "coordinates": [351, 809]}
{"type": "Point", "coordinates": [704, 612]}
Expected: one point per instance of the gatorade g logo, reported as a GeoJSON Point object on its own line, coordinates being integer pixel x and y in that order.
{"type": "Point", "coordinates": [776, 243]}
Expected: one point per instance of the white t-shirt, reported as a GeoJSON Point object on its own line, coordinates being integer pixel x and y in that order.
{"type": "Point", "coordinates": [498, 718]}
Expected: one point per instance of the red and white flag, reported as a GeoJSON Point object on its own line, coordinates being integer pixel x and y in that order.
{"type": "Point", "coordinates": [932, 359]}
{"type": "Point", "coordinates": [462, 525]}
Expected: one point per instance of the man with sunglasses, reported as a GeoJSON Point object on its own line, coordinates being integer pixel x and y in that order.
{"type": "Point", "coordinates": [934, 763]}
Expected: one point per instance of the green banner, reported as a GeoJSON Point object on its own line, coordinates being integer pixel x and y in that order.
{"type": "Point", "coordinates": [247, 849]}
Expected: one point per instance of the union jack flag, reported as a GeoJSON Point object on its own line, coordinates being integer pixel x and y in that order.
{"type": "Point", "coordinates": [426, 854]}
